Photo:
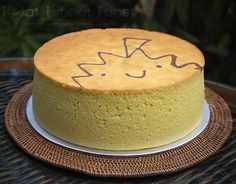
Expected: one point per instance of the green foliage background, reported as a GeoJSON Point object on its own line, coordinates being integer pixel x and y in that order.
{"type": "Point", "coordinates": [211, 25]}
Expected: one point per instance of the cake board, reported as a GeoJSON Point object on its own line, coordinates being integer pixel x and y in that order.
{"type": "Point", "coordinates": [185, 156]}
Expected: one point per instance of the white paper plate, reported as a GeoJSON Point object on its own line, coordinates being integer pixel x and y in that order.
{"type": "Point", "coordinates": [202, 125]}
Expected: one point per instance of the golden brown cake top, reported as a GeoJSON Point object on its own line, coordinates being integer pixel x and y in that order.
{"type": "Point", "coordinates": [118, 60]}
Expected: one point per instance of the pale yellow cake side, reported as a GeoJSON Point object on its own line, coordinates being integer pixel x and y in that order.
{"type": "Point", "coordinates": [125, 121]}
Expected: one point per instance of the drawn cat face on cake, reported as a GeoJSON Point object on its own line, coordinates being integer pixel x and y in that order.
{"type": "Point", "coordinates": [115, 69]}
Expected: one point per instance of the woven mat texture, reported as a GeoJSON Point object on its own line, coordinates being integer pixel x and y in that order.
{"type": "Point", "coordinates": [18, 167]}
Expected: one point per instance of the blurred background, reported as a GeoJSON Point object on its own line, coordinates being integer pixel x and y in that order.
{"type": "Point", "coordinates": [211, 25]}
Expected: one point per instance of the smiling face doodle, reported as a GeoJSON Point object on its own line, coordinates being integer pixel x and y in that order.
{"type": "Point", "coordinates": [125, 60]}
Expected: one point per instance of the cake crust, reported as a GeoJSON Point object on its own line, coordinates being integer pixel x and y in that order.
{"type": "Point", "coordinates": [128, 60]}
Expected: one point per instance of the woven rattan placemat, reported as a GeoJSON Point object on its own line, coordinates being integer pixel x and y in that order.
{"type": "Point", "coordinates": [196, 151]}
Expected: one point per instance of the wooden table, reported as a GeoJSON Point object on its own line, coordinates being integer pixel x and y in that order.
{"type": "Point", "coordinates": [18, 167]}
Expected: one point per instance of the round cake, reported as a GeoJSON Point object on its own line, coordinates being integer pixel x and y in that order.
{"type": "Point", "coordinates": [118, 89]}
